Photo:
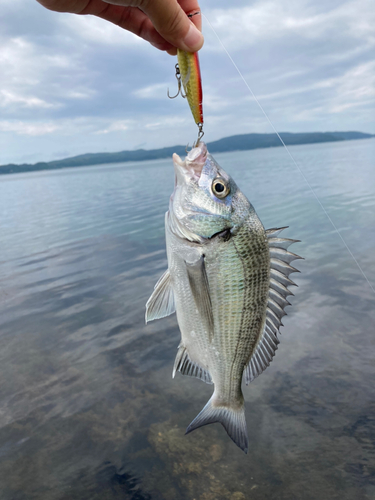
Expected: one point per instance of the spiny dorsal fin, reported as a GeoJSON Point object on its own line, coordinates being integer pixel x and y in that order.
{"type": "Point", "coordinates": [279, 287]}
{"type": "Point", "coordinates": [278, 297]}
{"type": "Point", "coordinates": [281, 278]}
{"type": "Point", "coordinates": [284, 255]}
{"type": "Point", "coordinates": [281, 242]}
{"type": "Point", "coordinates": [161, 302]}
{"type": "Point", "coordinates": [184, 365]}
{"type": "Point", "coordinates": [201, 293]}
{"type": "Point", "coordinates": [266, 346]}
{"type": "Point", "coordinates": [282, 266]}
{"type": "Point", "coordinates": [274, 232]}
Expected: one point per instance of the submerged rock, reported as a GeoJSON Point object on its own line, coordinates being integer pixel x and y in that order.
{"type": "Point", "coordinates": [186, 463]}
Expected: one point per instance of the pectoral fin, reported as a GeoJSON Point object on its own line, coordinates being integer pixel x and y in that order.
{"type": "Point", "coordinates": [201, 292]}
{"type": "Point", "coordinates": [161, 302]}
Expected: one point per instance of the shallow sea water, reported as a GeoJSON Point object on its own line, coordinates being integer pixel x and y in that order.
{"type": "Point", "coordinates": [88, 408]}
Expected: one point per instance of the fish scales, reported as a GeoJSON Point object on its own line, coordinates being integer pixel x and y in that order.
{"type": "Point", "coordinates": [227, 291]}
{"type": "Point", "coordinates": [235, 273]}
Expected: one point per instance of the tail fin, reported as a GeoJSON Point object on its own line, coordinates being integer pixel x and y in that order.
{"type": "Point", "coordinates": [233, 421]}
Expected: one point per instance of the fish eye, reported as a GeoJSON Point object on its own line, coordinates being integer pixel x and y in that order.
{"type": "Point", "coordinates": [220, 188]}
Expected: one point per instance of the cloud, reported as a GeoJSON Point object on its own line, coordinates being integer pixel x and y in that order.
{"type": "Point", "coordinates": [120, 125]}
{"type": "Point", "coordinates": [95, 30]}
{"type": "Point", "coordinates": [24, 73]}
{"type": "Point", "coordinates": [267, 21]}
{"type": "Point", "coordinates": [8, 98]}
{"type": "Point", "coordinates": [355, 88]}
{"type": "Point", "coordinates": [156, 91]}
{"type": "Point", "coordinates": [30, 129]}
{"type": "Point", "coordinates": [166, 123]}
{"type": "Point", "coordinates": [357, 83]}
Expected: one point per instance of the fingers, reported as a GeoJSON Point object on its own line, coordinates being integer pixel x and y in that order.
{"type": "Point", "coordinates": [170, 20]}
{"type": "Point", "coordinates": [64, 5]}
{"type": "Point", "coordinates": [172, 52]}
{"type": "Point", "coordinates": [134, 20]}
{"type": "Point", "coordinates": [163, 23]}
{"type": "Point", "coordinates": [192, 7]}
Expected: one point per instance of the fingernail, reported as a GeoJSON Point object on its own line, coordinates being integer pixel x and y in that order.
{"type": "Point", "coordinates": [172, 52]}
{"type": "Point", "coordinates": [193, 40]}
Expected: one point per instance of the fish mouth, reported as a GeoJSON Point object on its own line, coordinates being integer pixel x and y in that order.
{"type": "Point", "coordinates": [192, 166]}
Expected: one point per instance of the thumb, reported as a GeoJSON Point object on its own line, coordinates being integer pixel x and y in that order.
{"type": "Point", "coordinates": [172, 23]}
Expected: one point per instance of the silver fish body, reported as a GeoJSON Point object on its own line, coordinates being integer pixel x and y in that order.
{"type": "Point", "coordinates": [227, 280]}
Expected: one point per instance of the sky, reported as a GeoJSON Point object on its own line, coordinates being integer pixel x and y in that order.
{"type": "Point", "coordinates": [77, 84]}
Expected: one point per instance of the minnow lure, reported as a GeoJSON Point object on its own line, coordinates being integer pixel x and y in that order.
{"type": "Point", "coordinates": [188, 75]}
{"type": "Point", "coordinates": [188, 63]}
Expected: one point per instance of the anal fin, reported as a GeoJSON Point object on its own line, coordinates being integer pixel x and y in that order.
{"type": "Point", "coordinates": [184, 365]}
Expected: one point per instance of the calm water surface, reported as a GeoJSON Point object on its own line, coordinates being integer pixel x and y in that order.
{"type": "Point", "coordinates": [88, 409]}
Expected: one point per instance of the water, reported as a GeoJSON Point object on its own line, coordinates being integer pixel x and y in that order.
{"type": "Point", "coordinates": [88, 409]}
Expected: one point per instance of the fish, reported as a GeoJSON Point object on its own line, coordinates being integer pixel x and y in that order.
{"type": "Point", "coordinates": [227, 280]}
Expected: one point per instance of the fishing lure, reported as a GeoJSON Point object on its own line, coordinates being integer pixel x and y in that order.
{"type": "Point", "coordinates": [188, 75]}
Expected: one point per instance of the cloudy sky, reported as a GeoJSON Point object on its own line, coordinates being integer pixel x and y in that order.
{"type": "Point", "coordinates": [71, 84]}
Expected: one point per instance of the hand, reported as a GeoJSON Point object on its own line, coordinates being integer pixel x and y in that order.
{"type": "Point", "coordinates": [163, 23]}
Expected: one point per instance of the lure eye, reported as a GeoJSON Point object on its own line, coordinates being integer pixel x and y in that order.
{"type": "Point", "coordinates": [220, 188]}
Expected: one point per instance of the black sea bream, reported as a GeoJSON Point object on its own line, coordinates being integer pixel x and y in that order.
{"type": "Point", "coordinates": [227, 281]}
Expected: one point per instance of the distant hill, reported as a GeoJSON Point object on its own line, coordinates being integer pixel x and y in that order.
{"type": "Point", "coordinates": [233, 143]}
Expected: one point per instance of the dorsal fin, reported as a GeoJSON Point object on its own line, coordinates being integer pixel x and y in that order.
{"type": "Point", "coordinates": [184, 365]}
{"type": "Point", "coordinates": [280, 242]}
{"type": "Point", "coordinates": [274, 232]}
{"type": "Point", "coordinates": [265, 348]}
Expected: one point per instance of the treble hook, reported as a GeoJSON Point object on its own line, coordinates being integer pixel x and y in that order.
{"type": "Point", "coordinates": [179, 90]}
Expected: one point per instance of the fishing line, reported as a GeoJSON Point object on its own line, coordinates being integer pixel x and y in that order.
{"type": "Point", "coordinates": [291, 156]}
